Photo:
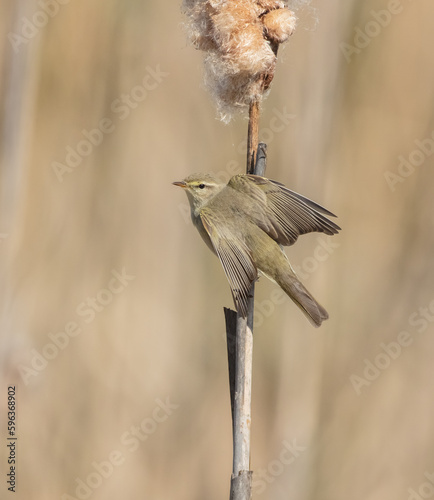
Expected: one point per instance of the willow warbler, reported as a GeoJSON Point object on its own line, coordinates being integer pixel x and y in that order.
{"type": "Point", "coordinates": [246, 222]}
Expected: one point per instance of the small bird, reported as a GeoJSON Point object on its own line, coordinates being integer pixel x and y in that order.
{"type": "Point", "coordinates": [246, 223]}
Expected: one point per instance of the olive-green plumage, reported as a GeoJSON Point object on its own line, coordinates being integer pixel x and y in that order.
{"type": "Point", "coordinates": [245, 222]}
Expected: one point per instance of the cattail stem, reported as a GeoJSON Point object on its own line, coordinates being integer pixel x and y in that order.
{"type": "Point", "coordinates": [240, 40]}
{"type": "Point", "coordinates": [239, 333]}
{"type": "Point", "coordinates": [243, 389]}
{"type": "Point", "coordinates": [252, 135]}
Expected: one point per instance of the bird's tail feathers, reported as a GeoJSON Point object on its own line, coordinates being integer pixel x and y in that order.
{"type": "Point", "coordinates": [314, 311]}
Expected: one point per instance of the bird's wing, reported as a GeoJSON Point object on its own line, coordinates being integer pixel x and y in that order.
{"type": "Point", "coordinates": [235, 258]}
{"type": "Point", "coordinates": [286, 214]}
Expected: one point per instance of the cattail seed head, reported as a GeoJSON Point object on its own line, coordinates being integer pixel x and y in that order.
{"type": "Point", "coordinates": [279, 25]}
{"type": "Point", "coordinates": [240, 39]}
{"type": "Point", "coordinates": [271, 4]}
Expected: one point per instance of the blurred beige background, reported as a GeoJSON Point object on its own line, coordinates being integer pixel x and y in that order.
{"type": "Point", "coordinates": [99, 257]}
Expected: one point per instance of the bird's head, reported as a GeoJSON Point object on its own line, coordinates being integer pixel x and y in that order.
{"type": "Point", "coordinates": [200, 189]}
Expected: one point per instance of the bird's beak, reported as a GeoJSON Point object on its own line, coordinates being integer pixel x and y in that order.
{"type": "Point", "coordinates": [180, 184]}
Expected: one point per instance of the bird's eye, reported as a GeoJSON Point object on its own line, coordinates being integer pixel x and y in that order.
{"type": "Point", "coordinates": [201, 186]}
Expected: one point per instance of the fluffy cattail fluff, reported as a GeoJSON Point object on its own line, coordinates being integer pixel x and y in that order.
{"type": "Point", "coordinates": [240, 40]}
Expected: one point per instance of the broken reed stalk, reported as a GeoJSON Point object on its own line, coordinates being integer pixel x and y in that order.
{"type": "Point", "coordinates": [239, 332]}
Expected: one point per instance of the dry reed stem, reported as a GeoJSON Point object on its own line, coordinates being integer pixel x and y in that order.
{"type": "Point", "coordinates": [239, 332]}
{"type": "Point", "coordinates": [252, 136]}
